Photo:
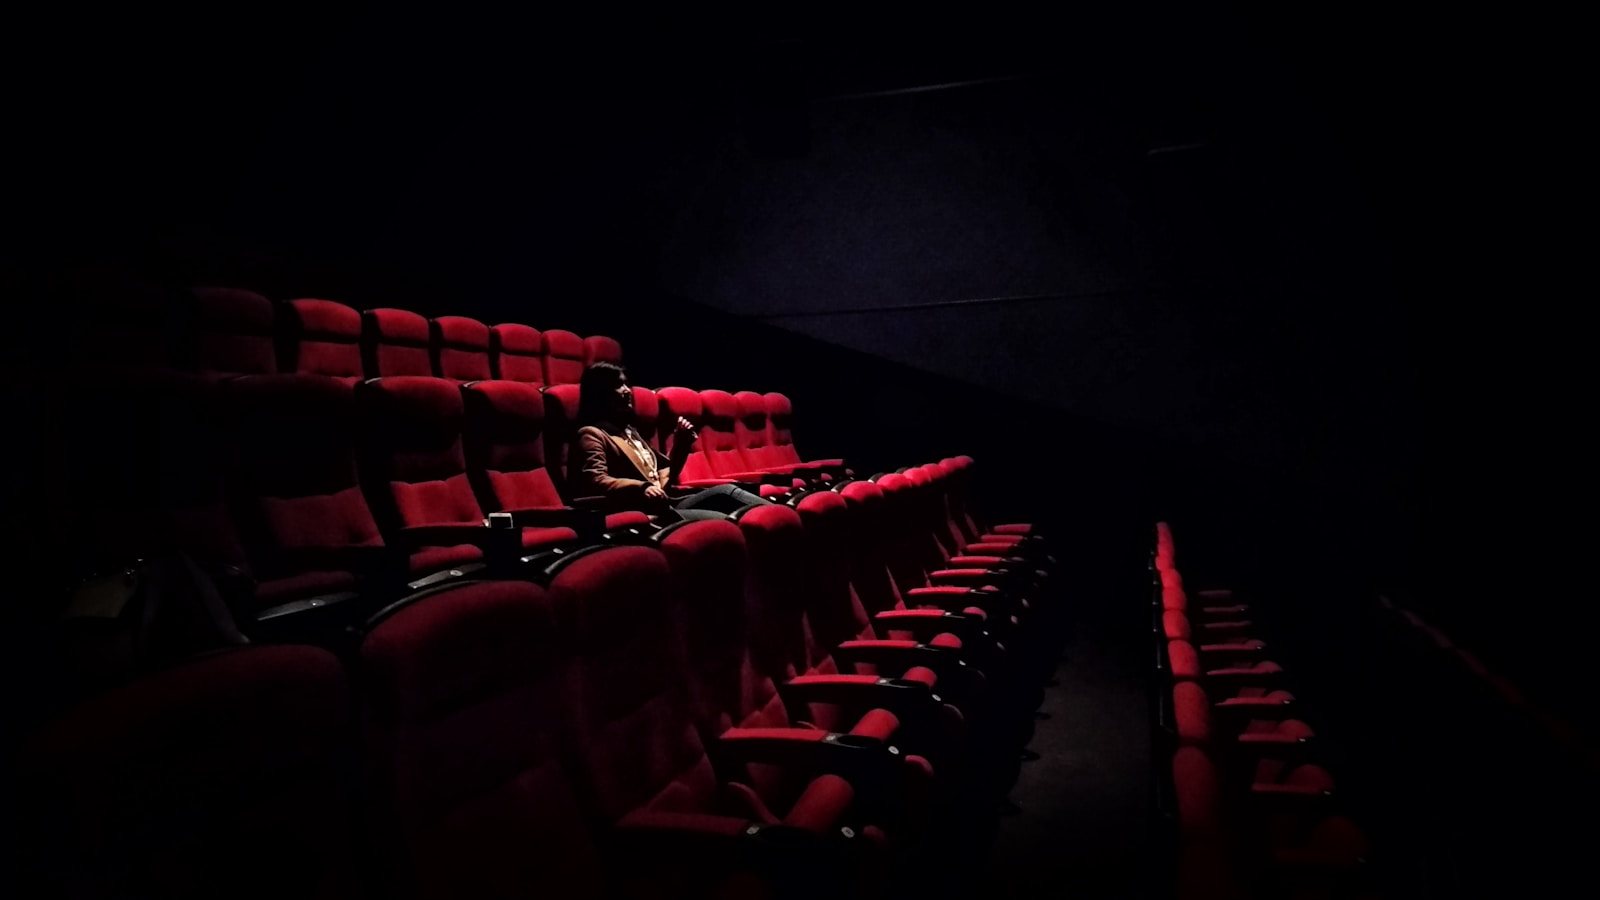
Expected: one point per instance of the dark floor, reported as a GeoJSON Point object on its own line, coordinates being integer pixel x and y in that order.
{"type": "Point", "coordinates": [1081, 821]}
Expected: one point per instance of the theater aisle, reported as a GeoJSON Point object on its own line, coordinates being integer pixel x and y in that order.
{"type": "Point", "coordinates": [1081, 815]}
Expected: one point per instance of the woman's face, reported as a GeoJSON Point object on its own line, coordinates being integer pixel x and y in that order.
{"type": "Point", "coordinates": [624, 394]}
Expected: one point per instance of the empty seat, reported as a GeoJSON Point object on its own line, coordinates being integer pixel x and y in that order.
{"type": "Point", "coordinates": [395, 342]}
{"type": "Point", "coordinates": [599, 348]}
{"type": "Point", "coordinates": [516, 353]}
{"type": "Point", "coordinates": [780, 422]}
{"type": "Point", "coordinates": [173, 785]}
{"type": "Point", "coordinates": [730, 675]}
{"type": "Point", "coordinates": [563, 357]}
{"type": "Point", "coordinates": [306, 524]}
{"type": "Point", "coordinates": [460, 348]}
{"type": "Point", "coordinates": [231, 332]}
{"type": "Point", "coordinates": [753, 435]}
{"type": "Point", "coordinates": [560, 432]}
{"type": "Point", "coordinates": [463, 719]}
{"type": "Point", "coordinates": [321, 337]}
{"type": "Point", "coordinates": [643, 761]}
{"type": "Point", "coordinates": [718, 443]}
{"type": "Point", "coordinates": [1225, 850]}
{"type": "Point", "coordinates": [415, 477]}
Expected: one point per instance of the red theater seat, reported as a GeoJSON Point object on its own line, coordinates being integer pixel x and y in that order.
{"type": "Point", "coordinates": [464, 717]}
{"type": "Point", "coordinates": [599, 348]}
{"type": "Point", "coordinates": [173, 785]}
{"type": "Point", "coordinates": [395, 342]}
{"type": "Point", "coordinates": [673, 402]}
{"type": "Point", "coordinates": [460, 348]}
{"type": "Point", "coordinates": [231, 332]}
{"type": "Point", "coordinates": [415, 476]}
{"type": "Point", "coordinates": [1225, 849]}
{"type": "Point", "coordinates": [731, 684]}
{"type": "Point", "coordinates": [643, 761]}
{"type": "Point", "coordinates": [311, 538]}
{"type": "Point", "coordinates": [647, 409]}
{"type": "Point", "coordinates": [517, 353]}
{"type": "Point", "coordinates": [563, 357]}
{"type": "Point", "coordinates": [780, 417]}
{"type": "Point", "coordinates": [321, 337]}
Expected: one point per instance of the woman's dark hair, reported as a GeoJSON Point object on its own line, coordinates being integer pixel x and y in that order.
{"type": "Point", "coordinates": [597, 396]}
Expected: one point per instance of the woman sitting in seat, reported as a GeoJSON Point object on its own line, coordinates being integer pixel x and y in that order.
{"type": "Point", "coordinates": [614, 461]}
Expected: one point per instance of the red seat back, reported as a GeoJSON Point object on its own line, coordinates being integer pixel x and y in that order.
{"type": "Point", "coordinates": [634, 730]}
{"type": "Point", "coordinates": [460, 348]}
{"type": "Point", "coordinates": [505, 446]}
{"type": "Point", "coordinates": [395, 342]}
{"type": "Point", "coordinates": [673, 402]}
{"type": "Point", "coordinates": [231, 332]}
{"type": "Point", "coordinates": [464, 717]}
{"type": "Point", "coordinates": [599, 348]}
{"type": "Point", "coordinates": [753, 433]}
{"type": "Point", "coordinates": [172, 785]}
{"type": "Point", "coordinates": [563, 357]}
{"type": "Point", "coordinates": [296, 493]}
{"type": "Point", "coordinates": [517, 353]}
{"type": "Point", "coordinates": [322, 337]}
{"type": "Point", "coordinates": [718, 443]}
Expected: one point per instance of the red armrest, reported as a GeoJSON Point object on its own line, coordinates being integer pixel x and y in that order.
{"type": "Point", "coordinates": [895, 657]}
{"type": "Point", "coordinates": [913, 702]}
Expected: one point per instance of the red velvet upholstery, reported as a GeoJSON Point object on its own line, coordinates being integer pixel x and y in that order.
{"type": "Point", "coordinates": [718, 444]}
{"type": "Point", "coordinates": [674, 402]}
{"type": "Point", "coordinates": [833, 612]}
{"type": "Point", "coordinates": [170, 786]}
{"type": "Point", "coordinates": [296, 493]}
{"type": "Point", "coordinates": [635, 733]}
{"type": "Point", "coordinates": [395, 342]}
{"type": "Point", "coordinates": [517, 353]}
{"type": "Point", "coordinates": [753, 434]}
{"type": "Point", "coordinates": [418, 473]}
{"type": "Point", "coordinates": [322, 337]}
{"type": "Point", "coordinates": [563, 357]}
{"type": "Point", "coordinates": [505, 446]}
{"type": "Point", "coordinates": [780, 414]}
{"type": "Point", "coordinates": [599, 348]}
{"type": "Point", "coordinates": [464, 717]}
{"type": "Point", "coordinates": [231, 332]}
{"type": "Point", "coordinates": [460, 348]}
{"type": "Point", "coordinates": [776, 590]}
{"type": "Point", "coordinates": [731, 657]}
{"type": "Point", "coordinates": [560, 429]}
{"type": "Point", "coordinates": [648, 410]}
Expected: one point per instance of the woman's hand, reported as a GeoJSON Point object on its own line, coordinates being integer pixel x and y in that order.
{"type": "Point", "coordinates": [685, 427]}
{"type": "Point", "coordinates": [652, 492]}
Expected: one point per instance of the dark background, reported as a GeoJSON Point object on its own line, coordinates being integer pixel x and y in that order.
{"type": "Point", "coordinates": [1282, 276]}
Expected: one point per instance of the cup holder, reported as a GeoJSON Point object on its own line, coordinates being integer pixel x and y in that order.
{"type": "Point", "coordinates": [856, 741]}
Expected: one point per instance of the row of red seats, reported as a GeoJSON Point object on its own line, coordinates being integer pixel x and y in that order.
{"type": "Point", "coordinates": [1254, 816]}
{"type": "Point", "coordinates": [323, 491]}
{"type": "Point", "coordinates": [220, 332]}
{"type": "Point", "coordinates": [770, 705]}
